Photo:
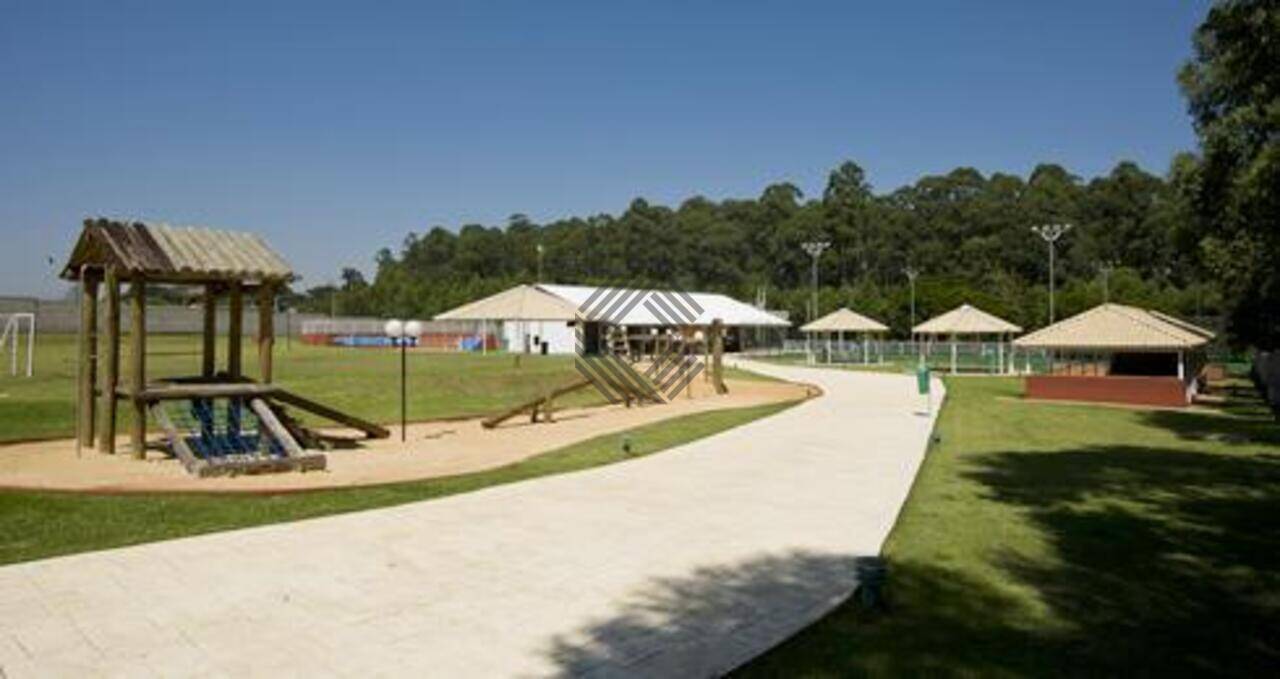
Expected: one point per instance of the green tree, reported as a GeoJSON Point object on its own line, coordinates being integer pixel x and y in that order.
{"type": "Point", "coordinates": [1232, 86]}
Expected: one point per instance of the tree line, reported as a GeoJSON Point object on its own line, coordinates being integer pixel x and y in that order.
{"type": "Point", "coordinates": [1198, 240]}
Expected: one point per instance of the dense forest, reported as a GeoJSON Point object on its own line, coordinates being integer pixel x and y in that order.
{"type": "Point", "coordinates": [1198, 240]}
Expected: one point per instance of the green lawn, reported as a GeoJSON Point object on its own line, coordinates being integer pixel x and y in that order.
{"type": "Point", "coordinates": [1068, 540]}
{"type": "Point", "coordinates": [39, 525]}
{"type": "Point", "coordinates": [364, 382]}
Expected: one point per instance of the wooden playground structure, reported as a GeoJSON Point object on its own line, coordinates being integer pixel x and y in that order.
{"type": "Point", "coordinates": [219, 422]}
{"type": "Point", "coordinates": [668, 373]}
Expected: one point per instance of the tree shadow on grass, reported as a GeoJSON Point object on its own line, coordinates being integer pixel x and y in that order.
{"type": "Point", "coordinates": [713, 620]}
{"type": "Point", "coordinates": [1159, 562]}
{"type": "Point", "coordinates": [1165, 561]}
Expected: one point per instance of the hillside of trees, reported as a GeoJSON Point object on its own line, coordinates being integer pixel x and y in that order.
{"type": "Point", "coordinates": [967, 235]}
{"type": "Point", "coordinates": [1201, 240]}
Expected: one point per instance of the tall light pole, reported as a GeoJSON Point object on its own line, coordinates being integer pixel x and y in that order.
{"type": "Point", "coordinates": [1051, 233]}
{"type": "Point", "coordinates": [911, 274]}
{"type": "Point", "coordinates": [814, 249]}
{"type": "Point", "coordinates": [1105, 270]}
{"type": "Point", "coordinates": [540, 251]}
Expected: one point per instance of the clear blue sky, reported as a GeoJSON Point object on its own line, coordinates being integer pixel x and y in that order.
{"type": "Point", "coordinates": [335, 130]}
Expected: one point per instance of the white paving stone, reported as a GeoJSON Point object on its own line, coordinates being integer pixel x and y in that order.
{"type": "Point", "coordinates": [684, 563]}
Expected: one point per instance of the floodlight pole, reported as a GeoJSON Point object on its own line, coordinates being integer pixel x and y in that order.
{"type": "Point", "coordinates": [1050, 233]}
{"type": "Point", "coordinates": [540, 251]}
{"type": "Point", "coordinates": [911, 274]}
{"type": "Point", "coordinates": [814, 249]}
{"type": "Point", "coordinates": [1105, 269]}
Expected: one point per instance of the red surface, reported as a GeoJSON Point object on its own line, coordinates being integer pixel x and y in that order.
{"type": "Point", "coordinates": [446, 341]}
{"type": "Point", "coordinates": [1150, 391]}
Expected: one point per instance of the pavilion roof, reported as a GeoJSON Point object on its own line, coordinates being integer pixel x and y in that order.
{"type": "Point", "coordinates": [521, 303]}
{"type": "Point", "coordinates": [1118, 327]}
{"type": "Point", "coordinates": [966, 320]}
{"type": "Point", "coordinates": [845, 320]}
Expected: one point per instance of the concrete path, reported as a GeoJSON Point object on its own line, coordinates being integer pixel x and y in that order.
{"type": "Point", "coordinates": [685, 563]}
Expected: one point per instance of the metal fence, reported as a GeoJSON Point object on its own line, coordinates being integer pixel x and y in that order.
{"type": "Point", "coordinates": [63, 317]}
{"type": "Point", "coordinates": [969, 357]}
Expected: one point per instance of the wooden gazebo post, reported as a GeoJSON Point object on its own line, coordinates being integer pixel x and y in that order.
{"type": "Point", "coordinates": [266, 329]}
{"type": "Point", "coordinates": [209, 333]}
{"type": "Point", "coordinates": [138, 367]}
{"type": "Point", "coordinates": [88, 353]}
{"type": "Point", "coordinates": [111, 364]}
{"type": "Point", "coordinates": [235, 326]}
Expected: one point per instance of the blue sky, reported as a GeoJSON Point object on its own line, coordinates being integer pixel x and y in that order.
{"type": "Point", "coordinates": [334, 130]}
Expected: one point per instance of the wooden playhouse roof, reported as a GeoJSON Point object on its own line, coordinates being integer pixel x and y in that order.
{"type": "Point", "coordinates": [845, 320]}
{"type": "Point", "coordinates": [966, 320]}
{"type": "Point", "coordinates": [164, 253]}
{"type": "Point", "coordinates": [1116, 327]}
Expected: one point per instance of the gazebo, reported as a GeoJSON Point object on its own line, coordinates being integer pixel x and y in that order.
{"type": "Point", "coordinates": [1120, 354]}
{"type": "Point", "coordinates": [844, 320]}
{"type": "Point", "coordinates": [213, 434]}
{"type": "Point", "coordinates": [968, 321]}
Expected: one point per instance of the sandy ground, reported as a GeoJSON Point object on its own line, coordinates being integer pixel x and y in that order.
{"type": "Point", "coordinates": [433, 449]}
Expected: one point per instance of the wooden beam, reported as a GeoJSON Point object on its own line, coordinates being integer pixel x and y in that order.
{"type": "Point", "coordinates": [266, 330]}
{"type": "Point", "coordinates": [138, 367]}
{"type": "Point", "coordinates": [177, 392]}
{"type": "Point", "coordinates": [178, 442]}
{"type": "Point", "coordinates": [717, 357]}
{"type": "Point", "coordinates": [235, 327]}
{"type": "Point", "coordinates": [88, 354]}
{"type": "Point", "coordinates": [110, 364]}
{"type": "Point", "coordinates": [267, 419]}
{"type": "Point", "coordinates": [209, 336]}
{"type": "Point", "coordinates": [370, 429]}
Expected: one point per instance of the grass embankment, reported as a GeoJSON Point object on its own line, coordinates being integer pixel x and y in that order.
{"type": "Point", "coordinates": [1071, 540]}
{"type": "Point", "coordinates": [38, 525]}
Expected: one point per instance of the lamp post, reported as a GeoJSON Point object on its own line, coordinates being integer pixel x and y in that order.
{"type": "Point", "coordinates": [541, 250]}
{"type": "Point", "coordinates": [400, 333]}
{"type": "Point", "coordinates": [911, 274]}
{"type": "Point", "coordinates": [814, 249]}
{"type": "Point", "coordinates": [1051, 233]}
{"type": "Point", "coordinates": [1105, 270]}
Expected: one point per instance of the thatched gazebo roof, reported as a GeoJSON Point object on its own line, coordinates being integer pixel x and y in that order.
{"type": "Point", "coordinates": [966, 320]}
{"type": "Point", "coordinates": [167, 254]}
{"type": "Point", "coordinates": [1117, 327]}
{"type": "Point", "coordinates": [845, 320]}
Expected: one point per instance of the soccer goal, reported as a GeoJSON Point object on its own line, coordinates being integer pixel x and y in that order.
{"type": "Point", "coordinates": [11, 338]}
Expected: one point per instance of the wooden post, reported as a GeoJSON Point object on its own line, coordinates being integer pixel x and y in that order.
{"type": "Point", "coordinates": [717, 356]}
{"type": "Point", "coordinates": [138, 368]}
{"type": "Point", "coordinates": [111, 365]}
{"type": "Point", "coordinates": [266, 329]}
{"type": "Point", "coordinates": [209, 338]}
{"type": "Point", "coordinates": [88, 353]}
{"type": "Point", "coordinates": [235, 326]}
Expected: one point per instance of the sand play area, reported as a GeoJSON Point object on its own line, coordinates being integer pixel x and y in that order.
{"type": "Point", "coordinates": [432, 449]}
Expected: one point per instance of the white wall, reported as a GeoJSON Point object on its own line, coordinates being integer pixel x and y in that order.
{"type": "Point", "coordinates": [558, 335]}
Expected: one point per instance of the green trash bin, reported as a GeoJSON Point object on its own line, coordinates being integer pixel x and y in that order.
{"type": "Point", "coordinates": [922, 379]}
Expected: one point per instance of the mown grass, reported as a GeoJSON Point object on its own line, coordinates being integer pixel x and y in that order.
{"type": "Point", "coordinates": [1067, 540]}
{"type": "Point", "coordinates": [36, 525]}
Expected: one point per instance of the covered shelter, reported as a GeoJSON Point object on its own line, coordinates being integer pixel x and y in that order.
{"type": "Point", "coordinates": [845, 320]}
{"type": "Point", "coordinates": [1120, 354]}
{"type": "Point", "coordinates": [970, 322]}
{"type": "Point", "coordinates": [222, 403]}
{"type": "Point", "coordinates": [612, 319]}
{"type": "Point", "coordinates": [529, 319]}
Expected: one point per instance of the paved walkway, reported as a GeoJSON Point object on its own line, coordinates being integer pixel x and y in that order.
{"type": "Point", "coordinates": [684, 563]}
